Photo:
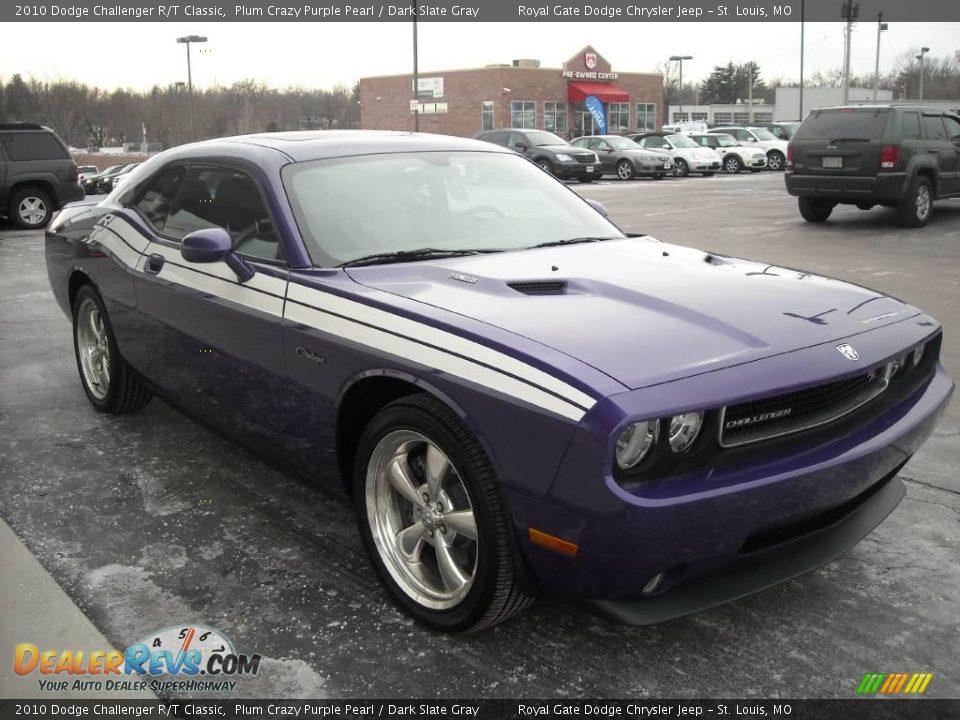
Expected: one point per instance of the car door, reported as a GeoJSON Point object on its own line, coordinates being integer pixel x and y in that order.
{"type": "Point", "coordinates": [213, 344]}
{"type": "Point", "coordinates": [520, 143]}
{"type": "Point", "coordinates": [949, 157]}
{"type": "Point", "coordinates": [608, 158]}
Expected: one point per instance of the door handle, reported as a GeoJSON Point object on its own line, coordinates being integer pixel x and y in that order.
{"type": "Point", "coordinates": [154, 264]}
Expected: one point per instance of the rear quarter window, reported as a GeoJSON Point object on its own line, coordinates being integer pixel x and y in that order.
{"type": "Point", "coordinates": [843, 124]}
{"type": "Point", "coordinates": [33, 146]}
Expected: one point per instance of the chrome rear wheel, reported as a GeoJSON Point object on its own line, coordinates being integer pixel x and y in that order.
{"type": "Point", "coordinates": [93, 348]}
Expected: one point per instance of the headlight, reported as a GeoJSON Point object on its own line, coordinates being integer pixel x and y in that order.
{"type": "Point", "coordinates": [684, 430]}
{"type": "Point", "coordinates": [635, 442]}
{"type": "Point", "coordinates": [918, 354]}
{"type": "Point", "coordinates": [563, 157]}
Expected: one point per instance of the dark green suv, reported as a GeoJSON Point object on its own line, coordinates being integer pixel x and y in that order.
{"type": "Point", "coordinates": [903, 157]}
{"type": "Point", "coordinates": [37, 174]}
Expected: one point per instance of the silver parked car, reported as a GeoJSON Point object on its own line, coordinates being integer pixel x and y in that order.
{"type": "Point", "coordinates": [734, 157]}
{"type": "Point", "coordinates": [624, 158]}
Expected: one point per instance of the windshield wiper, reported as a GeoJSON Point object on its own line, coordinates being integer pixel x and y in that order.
{"type": "Point", "coordinates": [410, 255]}
{"type": "Point", "coordinates": [570, 241]}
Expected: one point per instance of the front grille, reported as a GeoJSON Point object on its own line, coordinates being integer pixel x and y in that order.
{"type": "Point", "coordinates": [800, 410]}
{"type": "Point", "coordinates": [584, 157]}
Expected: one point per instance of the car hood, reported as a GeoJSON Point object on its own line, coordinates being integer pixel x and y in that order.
{"type": "Point", "coordinates": [641, 311]}
{"type": "Point", "coordinates": [561, 148]}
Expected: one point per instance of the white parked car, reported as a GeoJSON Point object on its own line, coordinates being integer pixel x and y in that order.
{"type": "Point", "coordinates": [687, 156]}
{"type": "Point", "coordinates": [775, 148]}
{"type": "Point", "coordinates": [734, 157]}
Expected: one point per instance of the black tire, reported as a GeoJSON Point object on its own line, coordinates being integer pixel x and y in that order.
{"type": "Point", "coordinates": [756, 170]}
{"type": "Point", "coordinates": [814, 210]}
{"type": "Point", "coordinates": [495, 594]}
{"type": "Point", "coordinates": [912, 211]}
{"type": "Point", "coordinates": [30, 209]}
{"type": "Point", "coordinates": [732, 165]}
{"type": "Point", "coordinates": [680, 168]}
{"type": "Point", "coordinates": [776, 160]}
{"type": "Point", "coordinates": [708, 174]}
{"type": "Point", "coordinates": [544, 165]}
{"type": "Point", "coordinates": [625, 170]}
{"type": "Point", "coordinates": [125, 393]}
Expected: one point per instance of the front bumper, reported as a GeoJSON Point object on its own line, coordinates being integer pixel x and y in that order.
{"type": "Point", "coordinates": [577, 170]}
{"type": "Point", "coordinates": [738, 529]}
{"type": "Point", "coordinates": [654, 168]}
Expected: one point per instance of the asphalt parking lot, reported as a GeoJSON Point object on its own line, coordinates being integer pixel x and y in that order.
{"type": "Point", "coordinates": [150, 520]}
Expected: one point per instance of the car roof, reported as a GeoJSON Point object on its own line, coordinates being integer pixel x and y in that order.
{"type": "Point", "coordinates": [304, 145]}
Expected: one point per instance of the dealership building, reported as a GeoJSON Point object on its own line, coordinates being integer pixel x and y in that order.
{"type": "Point", "coordinates": [566, 101]}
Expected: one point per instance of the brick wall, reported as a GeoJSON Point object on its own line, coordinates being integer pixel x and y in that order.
{"type": "Point", "coordinates": [385, 101]}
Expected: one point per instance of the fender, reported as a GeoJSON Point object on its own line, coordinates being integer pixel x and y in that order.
{"type": "Point", "coordinates": [916, 164]}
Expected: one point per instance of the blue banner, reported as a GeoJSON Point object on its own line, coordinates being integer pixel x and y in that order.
{"type": "Point", "coordinates": [595, 107]}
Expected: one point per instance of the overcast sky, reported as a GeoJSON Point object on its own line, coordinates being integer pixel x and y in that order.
{"type": "Point", "coordinates": [139, 55]}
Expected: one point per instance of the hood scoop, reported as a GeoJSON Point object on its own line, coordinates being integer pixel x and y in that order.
{"type": "Point", "coordinates": [539, 287]}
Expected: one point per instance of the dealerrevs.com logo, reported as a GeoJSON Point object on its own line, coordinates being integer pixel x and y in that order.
{"type": "Point", "coordinates": [179, 659]}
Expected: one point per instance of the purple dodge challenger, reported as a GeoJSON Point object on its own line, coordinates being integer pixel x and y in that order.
{"type": "Point", "coordinates": [518, 397]}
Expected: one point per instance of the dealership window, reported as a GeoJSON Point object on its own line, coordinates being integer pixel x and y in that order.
{"type": "Point", "coordinates": [722, 118]}
{"type": "Point", "coordinates": [763, 117]}
{"type": "Point", "coordinates": [486, 115]}
{"type": "Point", "coordinates": [741, 118]}
{"type": "Point", "coordinates": [555, 117]}
{"type": "Point", "coordinates": [523, 114]}
{"type": "Point", "coordinates": [646, 116]}
{"type": "Point", "coordinates": [583, 123]}
{"type": "Point", "coordinates": [698, 117]}
{"type": "Point", "coordinates": [680, 117]}
{"type": "Point", "coordinates": [618, 117]}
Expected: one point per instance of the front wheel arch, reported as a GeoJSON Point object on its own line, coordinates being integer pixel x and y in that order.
{"type": "Point", "coordinates": [365, 394]}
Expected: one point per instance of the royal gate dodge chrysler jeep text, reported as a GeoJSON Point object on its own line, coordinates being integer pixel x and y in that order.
{"type": "Point", "coordinates": [518, 397]}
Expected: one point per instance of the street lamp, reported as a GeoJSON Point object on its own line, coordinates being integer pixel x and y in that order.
{"type": "Point", "coordinates": [179, 87]}
{"type": "Point", "coordinates": [186, 40]}
{"type": "Point", "coordinates": [680, 59]}
{"type": "Point", "coordinates": [881, 26]}
{"type": "Point", "coordinates": [923, 51]}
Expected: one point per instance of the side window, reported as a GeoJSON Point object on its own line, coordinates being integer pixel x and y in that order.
{"type": "Point", "coordinates": [32, 146]}
{"type": "Point", "coordinates": [744, 136]}
{"type": "Point", "coordinates": [517, 138]}
{"type": "Point", "coordinates": [185, 199]}
{"type": "Point", "coordinates": [953, 128]}
{"type": "Point", "coordinates": [910, 129]}
{"type": "Point", "coordinates": [655, 141]}
{"type": "Point", "coordinates": [933, 128]}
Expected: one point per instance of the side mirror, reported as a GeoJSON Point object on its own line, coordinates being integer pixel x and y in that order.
{"type": "Point", "coordinates": [598, 206]}
{"type": "Point", "coordinates": [212, 245]}
{"type": "Point", "coordinates": [521, 146]}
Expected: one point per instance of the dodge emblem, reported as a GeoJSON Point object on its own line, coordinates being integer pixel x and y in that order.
{"type": "Point", "coordinates": [848, 351]}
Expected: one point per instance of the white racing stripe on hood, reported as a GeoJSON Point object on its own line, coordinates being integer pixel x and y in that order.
{"type": "Point", "coordinates": [432, 358]}
{"type": "Point", "coordinates": [439, 338]}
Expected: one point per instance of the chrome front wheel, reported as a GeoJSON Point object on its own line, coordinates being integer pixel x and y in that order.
{"type": "Point", "coordinates": [421, 519]}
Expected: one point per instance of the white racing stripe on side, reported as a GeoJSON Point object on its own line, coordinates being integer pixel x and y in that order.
{"type": "Point", "coordinates": [225, 289]}
{"type": "Point", "coordinates": [116, 247]}
{"type": "Point", "coordinates": [431, 357]}
{"type": "Point", "coordinates": [122, 227]}
{"type": "Point", "coordinates": [439, 338]}
{"type": "Point", "coordinates": [260, 281]}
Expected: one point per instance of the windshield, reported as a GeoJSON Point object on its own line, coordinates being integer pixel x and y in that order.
{"type": "Point", "coordinates": [726, 140]}
{"type": "Point", "coordinates": [539, 138]}
{"type": "Point", "coordinates": [763, 134]}
{"type": "Point", "coordinates": [621, 143]}
{"type": "Point", "coordinates": [348, 208]}
{"type": "Point", "coordinates": [681, 141]}
{"type": "Point", "coordinates": [789, 130]}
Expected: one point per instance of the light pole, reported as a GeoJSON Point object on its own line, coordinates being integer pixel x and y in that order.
{"type": "Point", "coordinates": [186, 40]}
{"type": "Point", "coordinates": [923, 51]}
{"type": "Point", "coordinates": [680, 59]}
{"type": "Point", "coordinates": [178, 87]}
{"type": "Point", "coordinates": [416, 70]}
{"type": "Point", "coordinates": [881, 26]}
